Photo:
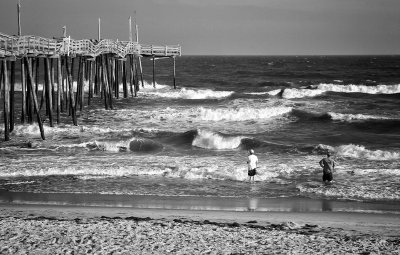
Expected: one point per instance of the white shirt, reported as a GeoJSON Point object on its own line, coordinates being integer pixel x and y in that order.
{"type": "Point", "coordinates": [252, 161]}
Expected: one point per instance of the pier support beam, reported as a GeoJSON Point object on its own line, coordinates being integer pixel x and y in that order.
{"type": "Point", "coordinates": [12, 99]}
{"type": "Point", "coordinates": [59, 85]}
{"type": "Point", "coordinates": [70, 88]}
{"type": "Point", "coordinates": [6, 94]}
{"type": "Point", "coordinates": [154, 72]}
{"type": "Point", "coordinates": [49, 95]}
{"type": "Point", "coordinates": [31, 83]}
{"type": "Point", "coordinates": [174, 75]}
{"type": "Point", "coordinates": [141, 70]}
{"type": "Point", "coordinates": [23, 88]}
{"type": "Point", "coordinates": [124, 80]}
{"type": "Point", "coordinates": [90, 78]}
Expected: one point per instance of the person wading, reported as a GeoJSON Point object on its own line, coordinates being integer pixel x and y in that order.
{"type": "Point", "coordinates": [252, 162]}
{"type": "Point", "coordinates": [328, 166]}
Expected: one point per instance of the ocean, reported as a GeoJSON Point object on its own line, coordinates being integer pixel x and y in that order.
{"type": "Point", "coordinates": [191, 143]}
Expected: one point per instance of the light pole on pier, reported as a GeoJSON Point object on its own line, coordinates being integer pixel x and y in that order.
{"type": "Point", "coordinates": [19, 17]}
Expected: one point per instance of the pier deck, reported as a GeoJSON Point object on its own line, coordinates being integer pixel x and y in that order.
{"type": "Point", "coordinates": [18, 46]}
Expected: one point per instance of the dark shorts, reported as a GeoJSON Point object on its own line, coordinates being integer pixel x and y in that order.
{"type": "Point", "coordinates": [252, 172]}
{"type": "Point", "coordinates": [327, 177]}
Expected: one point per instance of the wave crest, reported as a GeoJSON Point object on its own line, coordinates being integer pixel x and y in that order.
{"type": "Point", "coordinates": [184, 93]}
{"type": "Point", "coordinates": [351, 117]}
{"type": "Point", "coordinates": [359, 151]}
{"type": "Point", "coordinates": [210, 140]}
{"type": "Point", "coordinates": [134, 145]}
{"type": "Point", "coordinates": [379, 89]}
{"type": "Point", "coordinates": [240, 114]}
{"type": "Point", "coordinates": [300, 93]}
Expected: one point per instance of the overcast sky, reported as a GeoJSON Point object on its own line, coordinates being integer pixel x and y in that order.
{"type": "Point", "coordinates": [216, 27]}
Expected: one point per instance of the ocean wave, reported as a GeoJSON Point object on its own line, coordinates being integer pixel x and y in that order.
{"type": "Point", "coordinates": [71, 130]}
{"type": "Point", "coordinates": [352, 117]}
{"type": "Point", "coordinates": [258, 93]}
{"type": "Point", "coordinates": [344, 117]}
{"type": "Point", "coordinates": [242, 114]}
{"type": "Point", "coordinates": [184, 93]}
{"type": "Point", "coordinates": [181, 167]}
{"type": "Point", "coordinates": [359, 151]}
{"type": "Point", "coordinates": [300, 93]}
{"type": "Point", "coordinates": [316, 90]}
{"type": "Point", "coordinates": [134, 145]}
{"type": "Point", "coordinates": [274, 92]}
{"type": "Point", "coordinates": [211, 140]}
{"type": "Point", "coordinates": [308, 115]}
{"type": "Point", "coordinates": [378, 89]}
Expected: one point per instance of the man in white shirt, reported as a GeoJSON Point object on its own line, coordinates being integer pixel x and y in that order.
{"type": "Point", "coordinates": [252, 162]}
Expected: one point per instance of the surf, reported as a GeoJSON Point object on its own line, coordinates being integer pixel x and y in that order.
{"type": "Point", "coordinates": [359, 152]}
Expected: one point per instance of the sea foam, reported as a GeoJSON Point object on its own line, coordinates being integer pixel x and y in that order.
{"type": "Point", "coordinates": [184, 93]}
{"type": "Point", "coordinates": [243, 113]}
{"type": "Point", "coordinates": [300, 93]}
{"type": "Point", "coordinates": [359, 151]}
{"type": "Point", "coordinates": [351, 117]}
{"type": "Point", "coordinates": [316, 90]}
{"type": "Point", "coordinates": [210, 140]}
{"type": "Point", "coordinates": [378, 89]}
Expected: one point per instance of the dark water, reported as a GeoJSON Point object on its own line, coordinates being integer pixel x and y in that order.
{"type": "Point", "coordinates": [192, 141]}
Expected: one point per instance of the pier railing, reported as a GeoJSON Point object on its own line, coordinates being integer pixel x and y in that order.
{"type": "Point", "coordinates": [16, 46]}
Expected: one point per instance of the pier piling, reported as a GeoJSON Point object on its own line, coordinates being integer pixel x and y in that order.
{"type": "Point", "coordinates": [6, 95]}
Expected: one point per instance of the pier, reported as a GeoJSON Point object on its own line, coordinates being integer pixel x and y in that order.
{"type": "Point", "coordinates": [101, 64]}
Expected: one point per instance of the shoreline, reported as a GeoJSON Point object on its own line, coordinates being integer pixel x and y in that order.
{"type": "Point", "coordinates": [199, 203]}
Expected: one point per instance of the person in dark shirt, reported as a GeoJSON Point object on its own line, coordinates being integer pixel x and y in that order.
{"type": "Point", "coordinates": [328, 166]}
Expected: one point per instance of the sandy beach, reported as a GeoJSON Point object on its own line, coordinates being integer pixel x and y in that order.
{"type": "Point", "coordinates": [28, 229]}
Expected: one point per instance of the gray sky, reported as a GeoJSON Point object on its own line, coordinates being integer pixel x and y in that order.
{"type": "Point", "coordinates": [228, 27]}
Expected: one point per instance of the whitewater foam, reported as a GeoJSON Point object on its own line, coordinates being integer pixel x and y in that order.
{"type": "Point", "coordinates": [300, 93]}
{"type": "Point", "coordinates": [359, 151]}
{"type": "Point", "coordinates": [242, 114]}
{"type": "Point", "coordinates": [351, 88]}
{"type": "Point", "coordinates": [183, 93]}
{"type": "Point", "coordinates": [210, 140]}
{"type": "Point", "coordinates": [350, 117]}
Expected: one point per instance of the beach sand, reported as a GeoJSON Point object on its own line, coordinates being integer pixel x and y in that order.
{"type": "Point", "coordinates": [38, 229]}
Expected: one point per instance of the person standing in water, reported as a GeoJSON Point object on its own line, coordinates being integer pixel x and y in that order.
{"type": "Point", "coordinates": [252, 162]}
{"type": "Point", "coordinates": [328, 166]}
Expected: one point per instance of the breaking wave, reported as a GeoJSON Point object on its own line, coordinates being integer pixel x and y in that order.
{"type": "Point", "coordinates": [134, 145]}
{"type": "Point", "coordinates": [210, 140]}
{"type": "Point", "coordinates": [241, 114]}
{"type": "Point", "coordinates": [184, 93]}
{"type": "Point", "coordinates": [345, 117]}
{"type": "Point", "coordinates": [360, 152]}
{"type": "Point", "coordinates": [378, 89]}
{"type": "Point", "coordinates": [352, 117]}
{"type": "Point", "coordinates": [300, 93]}
{"type": "Point", "coordinates": [316, 90]}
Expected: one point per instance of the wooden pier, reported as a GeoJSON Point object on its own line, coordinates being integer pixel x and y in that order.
{"type": "Point", "coordinates": [102, 64]}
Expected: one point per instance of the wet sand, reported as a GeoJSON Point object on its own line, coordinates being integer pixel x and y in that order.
{"type": "Point", "coordinates": [47, 229]}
